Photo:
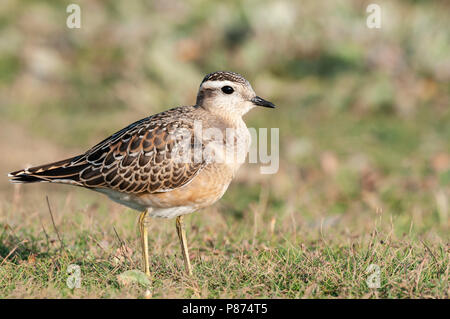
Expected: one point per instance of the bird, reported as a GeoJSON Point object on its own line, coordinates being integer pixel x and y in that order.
{"type": "Point", "coordinates": [169, 164]}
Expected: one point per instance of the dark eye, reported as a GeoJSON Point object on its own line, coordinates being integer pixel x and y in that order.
{"type": "Point", "coordinates": [227, 89]}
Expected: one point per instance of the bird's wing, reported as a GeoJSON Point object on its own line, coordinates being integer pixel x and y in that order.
{"type": "Point", "coordinates": [152, 155]}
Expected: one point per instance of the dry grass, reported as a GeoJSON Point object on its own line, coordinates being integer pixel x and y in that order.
{"type": "Point", "coordinates": [260, 254]}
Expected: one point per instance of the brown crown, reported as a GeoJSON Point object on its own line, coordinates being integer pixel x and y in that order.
{"type": "Point", "coordinates": [225, 76]}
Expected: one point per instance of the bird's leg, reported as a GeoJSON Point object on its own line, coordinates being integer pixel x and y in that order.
{"type": "Point", "coordinates": [144, 241]}
{"type": "Point", "coordinates": [182, 235]}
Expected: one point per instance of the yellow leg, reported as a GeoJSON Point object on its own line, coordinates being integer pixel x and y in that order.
{"type": "Point", "coordinates": [184, 249]}
{"type": "Point", "coordinates": [144, 241]}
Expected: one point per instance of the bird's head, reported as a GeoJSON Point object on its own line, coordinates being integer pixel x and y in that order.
{"type": "Point", "coordinates": [226, 92]}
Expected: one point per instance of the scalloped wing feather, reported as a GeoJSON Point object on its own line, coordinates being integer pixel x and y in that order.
{"type": "Point", "coordinates": [139, 158]}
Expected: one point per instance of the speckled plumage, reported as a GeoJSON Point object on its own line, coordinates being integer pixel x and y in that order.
{"type": "Point", "coordinates": [135, 160]}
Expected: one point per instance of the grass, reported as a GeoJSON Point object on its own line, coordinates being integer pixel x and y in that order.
{"type": "Point", "coordinates": [258, 254]}
{"type": "Point", "coordinates": [364, 146]}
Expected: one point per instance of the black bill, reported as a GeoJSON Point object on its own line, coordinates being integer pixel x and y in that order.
{"type": "Point", "coordinates": [261, 102]}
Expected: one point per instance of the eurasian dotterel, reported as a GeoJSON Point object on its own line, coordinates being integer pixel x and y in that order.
{"type": "Point", "coordinates": [169, 164]}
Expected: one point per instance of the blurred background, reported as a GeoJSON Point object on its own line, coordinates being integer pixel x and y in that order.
{"type": "Point", "coordinates": [364, 114]}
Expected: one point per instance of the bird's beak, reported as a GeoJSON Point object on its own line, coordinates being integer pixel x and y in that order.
{"type": "Point", "coordinates": [261, 102]}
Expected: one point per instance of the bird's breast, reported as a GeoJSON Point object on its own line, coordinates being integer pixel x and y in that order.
{"type": "Point", "coordinates": [204, 190]}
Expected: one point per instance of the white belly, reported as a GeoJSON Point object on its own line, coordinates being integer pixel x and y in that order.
{"type": "Point", "coordinates": [170, 212]}
{"type": "Point", "coordinates": [139, 205]}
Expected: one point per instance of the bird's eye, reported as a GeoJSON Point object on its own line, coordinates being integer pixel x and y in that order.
{"type": "Point", "coordinates": [227, 89]}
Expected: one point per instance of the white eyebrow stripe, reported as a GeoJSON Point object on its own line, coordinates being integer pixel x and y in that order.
{"type": "Point", "coordinates": [216, 84]}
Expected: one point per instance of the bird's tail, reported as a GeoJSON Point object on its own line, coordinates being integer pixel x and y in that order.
{"type": "Point", "coordinates": [65, 171]}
